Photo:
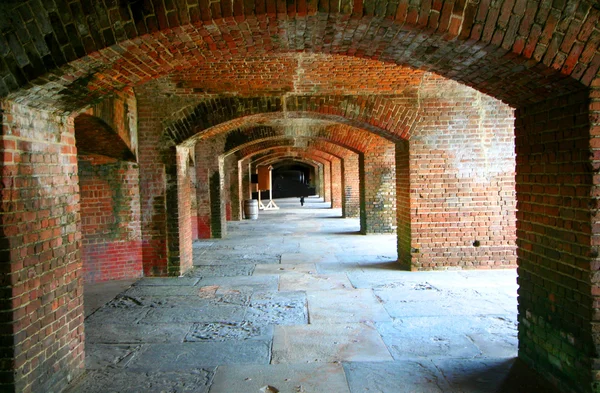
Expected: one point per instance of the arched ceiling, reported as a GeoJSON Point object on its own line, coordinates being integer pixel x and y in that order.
{"type": "Point", "coordinates": [67, 57]}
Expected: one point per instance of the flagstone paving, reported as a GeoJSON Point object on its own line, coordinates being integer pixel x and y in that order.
{"type": "Point", "coordinates": [298, 301]}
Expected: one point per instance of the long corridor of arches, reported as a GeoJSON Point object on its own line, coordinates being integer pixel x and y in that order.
{"type": "Point", "coordinates": [467, 130]}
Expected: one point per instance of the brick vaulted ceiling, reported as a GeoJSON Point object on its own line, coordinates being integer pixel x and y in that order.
{"type": "Point", "coordinates": [67, 54]}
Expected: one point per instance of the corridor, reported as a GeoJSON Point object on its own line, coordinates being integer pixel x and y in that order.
{"type": "Point", "coordinates": [298, 301]}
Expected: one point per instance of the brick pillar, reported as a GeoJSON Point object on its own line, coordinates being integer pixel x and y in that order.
{"type": "Point", "coordinates": [41, 340]}
{"type": "Point", "coordinates": [211, 205]}
{"type": "Point", "coordinates": [319, 183]}
{"type": "Point", "coordinates": [336, 183]}
{"type": "Point", "coordinates": [181, 260]}
{"type": "Point", "coordinates": [233, 185]}
{"type": "Point", "coordinates": [327, 181]}
{"type": "Point", "coordinates": [351, 186]}
{"type": "Point", "coordinates": [403, 212]}
{"type": "Point", "coordinates": [193, 202]}
{"type": "Point", "coordinates": [557, 248]}
{"type": "Point", "coordinates": [152, 187]}
{"type": "Point", "coordinates": [378, 193]}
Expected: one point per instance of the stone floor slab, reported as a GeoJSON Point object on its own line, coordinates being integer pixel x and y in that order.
{"type": "Point", "coordinates": [427, 338]}
{"type": "Point", "coordinates": [278, 308]}
{"type": "Point", "coordinates": [269, 269]}
{"type": "Point", "coordinates": [161, 290]}
{"type": "Point", "coordinates": [241, 283]}
{"type": "Point", "coordinates": [97, 295]}
{"type": "Point", "coordinates": [221, 270]}
{"type": "Point", "coordinates": [209, 312]}
{"type": "Point", "coordinates": [313, 282]}
{"type": "Point", "coordinates": [328, 343]}
{"type": "Point", "coordinates": [395, 377]}
{"type": "Point", "coordinates": [285, 378]}
{"type": "Point", "coordinates": [170, 281]}
{"type": "Point", "coordinates": [100, 356]}
{"type": "Point", "coordinates": [136, 333]}
{"type": "Point", "coordinates": [345, 305]}
{"type": "Point", "coordinates": [474, 375]}
{"type": "Point", "coordinates": [302, 258]}
{"type": "Point", "coordinates": [434, 303]}
{"type": "Point", "coordinates": [128, 381]}
{"type": "Point", "coordinates": [227, 331]}
{"type": "Point", "coordinates": [195, 355]}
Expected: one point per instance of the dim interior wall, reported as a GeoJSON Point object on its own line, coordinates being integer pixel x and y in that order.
{"type": "Point", "coordinates": [462, 180]}
{"type": "Point", "coordinates": [110, 219]}
{"type": "Point", "coordinates": [42, 283]}
{"type": "Point", "coordinates": [403, 205]}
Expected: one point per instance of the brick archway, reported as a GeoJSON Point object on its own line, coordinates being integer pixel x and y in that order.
{"type": "Point", "coordinates": [62, 60]}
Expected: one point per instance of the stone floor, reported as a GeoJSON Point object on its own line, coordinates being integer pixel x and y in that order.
{"type": "Point", "coordinates": [298, 301]}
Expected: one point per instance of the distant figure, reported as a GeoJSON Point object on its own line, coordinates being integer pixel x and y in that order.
{"type": "Point", "coordinates": [301, 201]}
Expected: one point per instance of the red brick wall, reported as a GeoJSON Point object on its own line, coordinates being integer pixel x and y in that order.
{"type": "Point", "coordinates": [336, 183]}
{"type": "Point", "coordinates": [42, 285]}
{"type": "Point", "coordinates": [327, 181]}
{"type": "Point", "coordinates": [351, 195]}
{"type": "Point", "coordinates": [110, 219]}
{"type": "Point", "coordinates": [556, 256]}
{"type": "Point", "coordinates": [462, 179]}
{"type": "Point", "coordinates": [152, 185]}
{"type": "Point", "coordinates": [233, 187]}
{"type": "Point", "coordinates": [378, 177]}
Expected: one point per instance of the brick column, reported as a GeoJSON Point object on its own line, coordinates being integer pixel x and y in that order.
{"type": "Point", "coordinates": [235, 201]}
{"type": "Point", "coordinates": [42, 286]}
{"type": "Point", "coordinates": [336, 183]}
{"type": "Point", "coordinates": [556, 238]}
{"type": "Point", "coordinates": [327, 182]}
{"type": "Point", "coordinates": [181, 260]}
{"type": "Point", "coordinates": [152, 186]}
{"type": "Point", "coordinates": [211, 204]}
{"type": "Point", "coordinates": [321, 181]}
{"type": "Point", "coordinates": [403, 212]}
{"type": "Point", "coordinates": [378, 191]}
{"type": "Point", "coordinates": [351, 186]}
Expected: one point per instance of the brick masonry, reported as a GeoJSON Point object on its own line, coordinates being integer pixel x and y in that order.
{"type": "Point", "coordinates": [540, 58]}
{"type": "Point", "coordinates": [110, 219]}
{"type": "Point", "coordinates": [42, 276]}
{"type": "Point", "coordinates": [555, 249]}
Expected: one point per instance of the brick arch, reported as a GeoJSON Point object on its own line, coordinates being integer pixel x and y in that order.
{"type": "Point", "coordinates": [478, 44]}
{"type": "Point", "coordinates": [548, 55]}
{"type": "Point", "coordinates": [94, 136]}
{"type": "Point", "coordinates": [318, 143]}
{"type": "Point", "coordinates": [213, 117]}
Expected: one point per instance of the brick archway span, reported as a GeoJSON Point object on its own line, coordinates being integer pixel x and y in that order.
{"type": "Point", "coordinates": [78, 54]}
{"type": "Point", "coordinates": [211, 118]}
{"type": "Point", "coordinates": [310, 143]}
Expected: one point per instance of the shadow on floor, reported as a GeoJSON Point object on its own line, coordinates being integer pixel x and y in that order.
{"type": "Point", "coordinates": [523, 379]}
